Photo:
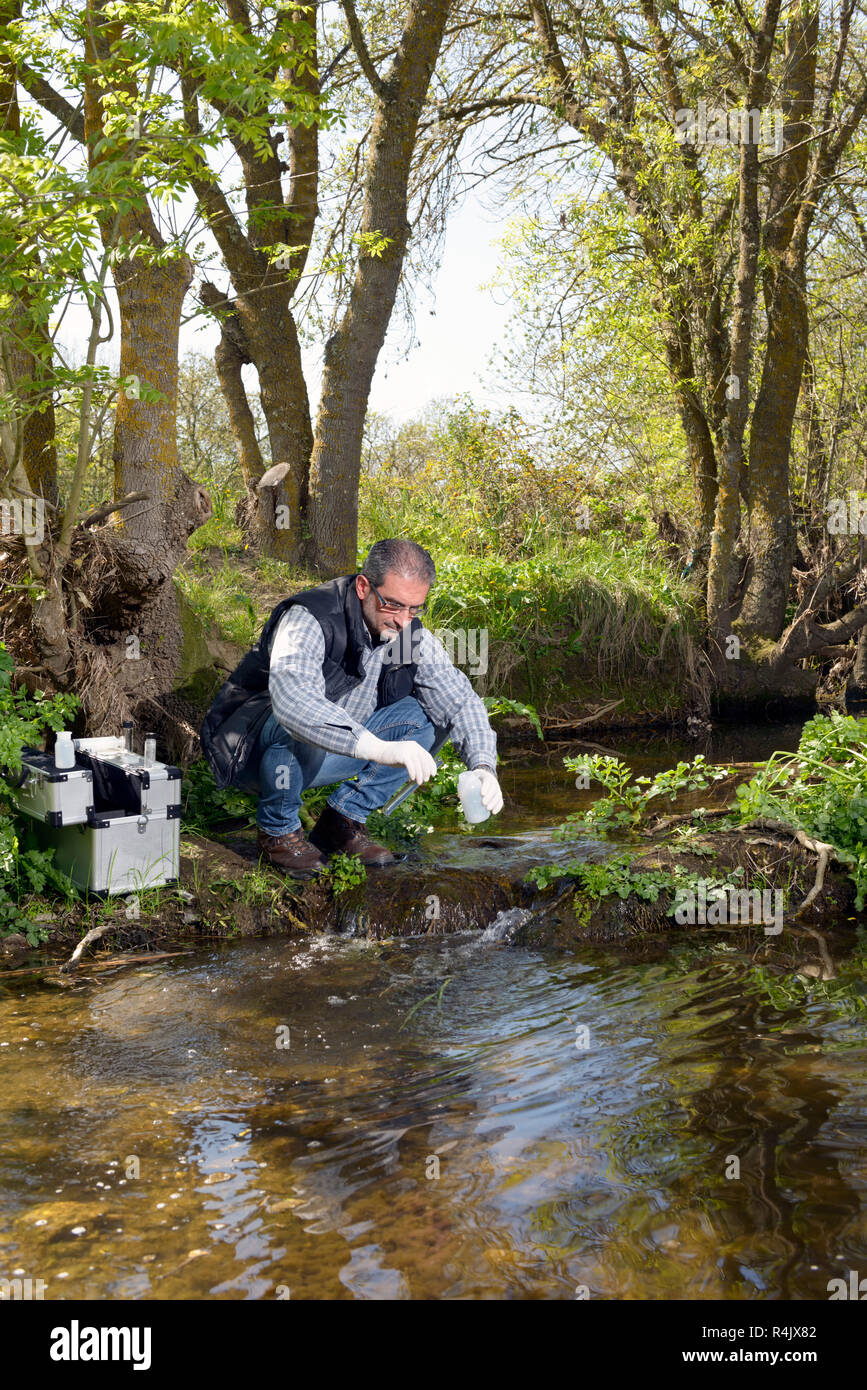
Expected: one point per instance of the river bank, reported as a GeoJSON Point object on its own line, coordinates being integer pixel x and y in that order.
{"type": "Point", "coordinates": [453, 880]}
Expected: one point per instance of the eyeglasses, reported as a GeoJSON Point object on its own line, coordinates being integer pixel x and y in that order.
{"type": "Point", "coordinates": [391, 607]}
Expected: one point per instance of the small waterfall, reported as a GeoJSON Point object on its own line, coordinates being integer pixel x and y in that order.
{"type": "Point", "coordinates": [505, 924]}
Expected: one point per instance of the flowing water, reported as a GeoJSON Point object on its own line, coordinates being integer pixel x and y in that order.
{"type": "Point", "coordinates": [448, 1117]}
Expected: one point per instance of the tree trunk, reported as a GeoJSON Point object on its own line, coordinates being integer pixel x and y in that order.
{"type": "Point", "coordinates": [258, 321]}
{"type": "Point", "coordinates": [230, 356]}
{"type": "Point", "coordinates": [146, 453]}
{"type": "Point", "coordinates": [727, 515]}
{"type": "Point", "coordinates": [858, 686]}
{"type": "Point", "coordinates": [772, 538]}
{"type": "Point", "coordinates": [818, 469]}
{"type": "Point", "coordinates": [772, 534]}
{"type": "Point", "coordinates": [39, 448]}
{"type": "Point", "coordinates": [272, 342]}
{"type": "Point", "coordinates": [351, 353]}
{"type": "Point", "coordinates": [151, 288]}
{"type": "Point", "coordinates": [145, 432]}
{"type": "Point", "coordinates": [20, 329]}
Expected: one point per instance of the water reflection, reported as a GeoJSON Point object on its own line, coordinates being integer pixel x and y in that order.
{"type": "Point", "coordinates": [432, 1129]}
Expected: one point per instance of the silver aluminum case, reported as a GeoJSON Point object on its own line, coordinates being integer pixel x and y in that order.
{"type": "Point", "coordinates": [158, 786]}
{"type": "Point", "coordinates": [119, 854]}
{"type": "Point", "coordinates": [58, 797]}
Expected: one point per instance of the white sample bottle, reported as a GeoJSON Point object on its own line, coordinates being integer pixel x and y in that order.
{"type": "Point", "coordinates": [64, 751]}
{"type": "Point", "coordinates": [470, 793]}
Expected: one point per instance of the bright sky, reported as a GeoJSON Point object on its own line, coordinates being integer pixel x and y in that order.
{"type": "Point", "coordinates": [455, 342]}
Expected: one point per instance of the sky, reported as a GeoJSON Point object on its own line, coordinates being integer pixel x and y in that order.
{"type": "Point", "coordinates": [458, 329]}
{"type": "Point", "coordinates": [458, 340]}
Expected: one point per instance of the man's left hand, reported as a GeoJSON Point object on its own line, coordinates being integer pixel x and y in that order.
{"type": "Point", "coordinates": [492, 797]}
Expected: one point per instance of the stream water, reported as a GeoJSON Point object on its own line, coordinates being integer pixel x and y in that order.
{"type": "Point", "coordinates": [434, 1118]}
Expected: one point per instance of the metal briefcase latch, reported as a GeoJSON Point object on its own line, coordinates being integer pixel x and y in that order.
{"type": "Point", "coordinates": [142, 824]}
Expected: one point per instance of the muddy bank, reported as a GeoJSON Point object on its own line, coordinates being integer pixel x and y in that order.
{"type": "Point", "coordinates": [785, 872]}
{"type": "Point", "coordinates": [455, 883]}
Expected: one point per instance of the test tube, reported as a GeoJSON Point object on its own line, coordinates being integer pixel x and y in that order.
{"type": "Point", "coordinates": [150, 750]}
{"type": "Point", "coordinates": [127, 736]}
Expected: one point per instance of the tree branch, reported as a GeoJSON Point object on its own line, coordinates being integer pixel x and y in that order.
{"type": "Point", "coordinates": [72, 117]}
{"type": "Point", "coordinates": [362, 52]}
{"type": "Point", "coordinates": [241, 258]}
{"type": "Point", "coordinates": [98, 514]}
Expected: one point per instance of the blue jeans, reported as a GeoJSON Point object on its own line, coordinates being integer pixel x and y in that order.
{"type": "Point", "coordinates": [287, 767]}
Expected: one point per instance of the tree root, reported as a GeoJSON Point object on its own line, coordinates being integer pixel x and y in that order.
{"type": "Point", "coordinates": [824, 851]}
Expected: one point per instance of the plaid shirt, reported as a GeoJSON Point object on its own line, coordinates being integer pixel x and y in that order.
{"type": "Point", "coordinates": [297, 689]}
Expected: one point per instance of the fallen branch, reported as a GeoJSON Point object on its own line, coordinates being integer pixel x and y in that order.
{"type": "Point", "coordinates": [93, 935]}
{"type": "Point", "coordinates": [588, 718]}
{"type": "Point", "coordinates": [97, 514]}
{"type": "Point", "coordinates": [142, 958]}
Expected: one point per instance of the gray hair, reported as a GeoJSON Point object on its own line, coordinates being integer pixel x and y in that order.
{"type": "Point", "coordinates": [406, 558]}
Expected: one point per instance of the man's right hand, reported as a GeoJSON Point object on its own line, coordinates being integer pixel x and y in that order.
{"type": "Point", "coordinates": [404, 752]}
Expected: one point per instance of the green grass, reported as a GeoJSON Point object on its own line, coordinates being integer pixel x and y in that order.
{"type": "Point", "coordinates": [572, 617]}
{"type": "Point", "coordinates": [595, 615]}
{"type": "Point", "coordinates": [234, 591]}
{"type": "Point", "coordinates": [217, 531]}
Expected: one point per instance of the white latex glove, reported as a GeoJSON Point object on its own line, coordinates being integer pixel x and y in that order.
{"type": "Point", "coordinates": [492, 797]}
{"type": "Point", "coordinates": [405, 752]}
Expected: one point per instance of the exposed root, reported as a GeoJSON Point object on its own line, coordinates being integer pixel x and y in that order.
{"type": "Point", "coordinates": [825, 853]}
{"type": "Point", "coordinates": [94, 934]}
{"type": "Point", "coordinates": [820, 880]}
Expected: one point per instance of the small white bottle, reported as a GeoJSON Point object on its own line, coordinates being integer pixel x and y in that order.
{"type": "Point", "coordinates": [64, 751]}
{"type": "Point", "coordinates": [150, 750]}
{"type": "Point", "coordinates": [470, 793]}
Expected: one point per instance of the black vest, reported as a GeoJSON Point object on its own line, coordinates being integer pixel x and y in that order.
{"type": "Point", "coordinates": [241, 706]}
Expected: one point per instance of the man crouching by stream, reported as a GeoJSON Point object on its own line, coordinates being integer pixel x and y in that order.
{"type": "Point", "coordinates": [345, 682]}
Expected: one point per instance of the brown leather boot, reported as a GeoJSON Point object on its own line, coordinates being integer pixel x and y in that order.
{"type": "Point", "coordinates": [291, 852]}
{"type": "Point", "coordinates": [335, 833]}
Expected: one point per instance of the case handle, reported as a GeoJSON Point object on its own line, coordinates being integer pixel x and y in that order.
{"type": "Point", "coordinates": [14, 779]}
